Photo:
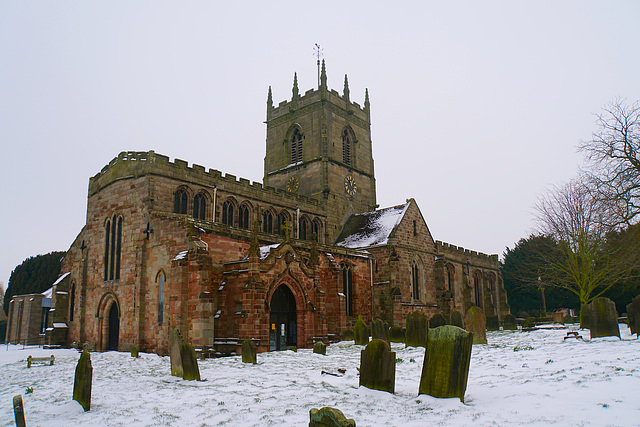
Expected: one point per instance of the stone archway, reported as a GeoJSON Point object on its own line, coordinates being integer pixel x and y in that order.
{"type": "Point", "coordinates": [283, 328]}
{"type": "Point", "coordinates": [109, 323]}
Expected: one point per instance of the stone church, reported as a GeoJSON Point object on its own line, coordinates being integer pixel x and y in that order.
{"type": "Point", "coordinates": [287, 262]}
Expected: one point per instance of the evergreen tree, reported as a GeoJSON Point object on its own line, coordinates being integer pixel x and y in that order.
{"type": "Point", "coordinates": [34, 275]}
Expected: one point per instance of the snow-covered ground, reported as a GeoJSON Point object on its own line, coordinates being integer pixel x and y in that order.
{"type": "Point", "coordinates": [518, 378]}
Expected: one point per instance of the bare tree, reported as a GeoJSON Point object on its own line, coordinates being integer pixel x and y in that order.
{"type": "Point", "coordinates": [613, 155]}
{"type": "Point", "coordinates": [587, 262]}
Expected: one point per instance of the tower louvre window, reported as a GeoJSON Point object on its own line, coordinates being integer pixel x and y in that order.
{"type": "Point", "coordinates": [296, 146]}
{"type": "Point", "coordinates": [346, 147]}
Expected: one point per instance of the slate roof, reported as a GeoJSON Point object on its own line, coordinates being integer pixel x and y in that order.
{"type": "Point", "coordinates": [370, 228]}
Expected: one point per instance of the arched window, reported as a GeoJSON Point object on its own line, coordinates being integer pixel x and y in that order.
{"type": "Point", "coordinates": [244, 216]}
{"type": "Point", "coordinates": [160, 280]}
{"type": "Point", "coordinates": [72, 301]}
{"type": "Point", "coordinates": [283, 219]}
{"type": "Point", "coordinates": [112, 248]}
{"type": "Point", "coordinates": [448, 277]}
{"type": "Point", "coordinates": [296, 146]}
{"type": "Point", "coordinates": [180, 201]}
{"type": "Point", "coordinates": [303, 230]}
{"type": "Point", "coordinates": [347, 288]}
{"type": "Point", "coordinates": [346, 147]}
{"type": "Point", "coordinates": [227, 212]}
{"type": "Point", "coordinates": [316, 227]}
{"type": "Point", "coordinates": [267, 222]}
{"type": "Point", "coordinates": [200, 206]}
{"type": "Point", "coordinates": [477, 289]}
{"type": "Point", "coordinates": [415, 282]}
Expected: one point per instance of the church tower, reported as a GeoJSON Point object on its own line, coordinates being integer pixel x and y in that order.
{"type": "Point", "coordinates": [319, 145]}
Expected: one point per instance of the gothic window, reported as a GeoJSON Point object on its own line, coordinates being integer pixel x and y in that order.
{"type": "Point", "coordinates": [72, 301]}
{"type": "Point", "coordinates": [267, 222]}
{"type": "Point", "coordinates": [477, 290]}
{"type": "Point", "coordinates": [227, 212]}
{"type": "Point", "coordinates": [296, 146]}
{"type": "Point", "coordinates": [347, 288]}
{"type": "Point", "coordinates": [244, 214]}
{"type": "Point", "coordinates": [283, 218]}
{"type": "Point", "coordinates": [415, 282]}
{"type": "Point", "coordinates": [303, 229]}
{"type": "Point", "coordinates": [112, 248]}
{"type": "Point", "coordinates": [346, 147]}
{"type": "Point", "coordinates": [316, 227]}
{"type": "Point", "coordinates": [160, 298]}
{"type": "Point", "coordinates": [448, 271]}
{"type": "Point", "coordinates": [200, 206]}
{"type": "Point", "coordinates": [180, 201]}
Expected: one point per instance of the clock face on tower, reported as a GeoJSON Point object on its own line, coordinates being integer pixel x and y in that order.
{"type": "Point", "coordinates": [293, 184]}
{"type": "Point", "coordinates": [350, 186]}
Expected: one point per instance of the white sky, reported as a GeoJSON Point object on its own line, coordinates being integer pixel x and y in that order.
{"type": "Point", "coordinates": [476, 106]}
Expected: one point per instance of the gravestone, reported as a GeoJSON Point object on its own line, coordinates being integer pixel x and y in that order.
{"type": "Point", "coordinates": [417, 327]}
{"type": "Point", "coordinates": [379, 330]}
{"type": "Point", "coordinates": [584, 316]}
{"type": "Point", "coordinates": [603, 318]}
{"type": "Point", "coordinates": [361, 332]}
{"type": "Point", "coordinates": [396, 334]}
{"type": "Point", "coordinates": [320, 348]}
{"type": "Point", "coordinates": [378, 366]}
{"type": "Point", "coordinates": [331, 417]}
{"type": "Point", "coordinates": [568, 319]}
{"type": "Point", "coordinates": [82, 382]}
{"type": "Point", "coordinates": [530, 322]}
{"type": "Point", "coordinates": [135, 351]}
{"type": "Point", "coordinates": [347, 335]}
{"type": "Point", "coordinates": [509, 322]}
{"type": "Point", "coordinates": [475, 323]}
{"type": "Point", "coordinates": [183, 357]}
{"type": "Point", "coordinates": [18, 411]}
{"type": "Point", "coordinates": [249, 352]}
{"type": "Point", "coordinates": [455, 319]}
{"type": "Point", "coordinates": [437, 320]}
{"type": "Point", "coordinates": [493, 324]}
{"type": "Point", "coordinates": [633, 315]}
{"type": "Point", "coordinates": [446, 362]}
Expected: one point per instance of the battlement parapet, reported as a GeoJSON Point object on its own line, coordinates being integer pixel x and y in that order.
{"type": "Point", "coordinates": [444, 247]}
{"type": "Point", "coordinates": [133, 164]}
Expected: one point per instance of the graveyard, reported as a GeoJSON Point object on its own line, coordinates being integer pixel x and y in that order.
{"type": "Point", "coordinates": [535, 378]}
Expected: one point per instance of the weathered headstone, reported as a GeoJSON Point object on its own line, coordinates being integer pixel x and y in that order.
{"type": "Point", "coordinates": [455, 319]}
{"type": "Point", "coordinates": [493, 324]}
{"type": "Point", "coordinates": [135, 351]}
{"type": "Point", "coordinates": [446, 362]}
{"type": "Point", "coordinates": [183, 357]}
{"type": "Point", "coordinates": [361, 332]}
{"type": "Point", "coordinates": [82, 382]}
{"type": "Point", "coordinates": [568, 319]}
{"type": "Point", "coordinates": [475, 323]}
{"type": "Point", "coordinates": [347, 334]}
{"type": "Point", "coordinates": [330, 417]}
{"type": "Point", "coordinates": [584, 316]}
{"type": "Point", "coordinates": [396, 334]}
{"type": "Point", "coordinates": [18, 411]}
{"type": "Point", "coordinates": [378, 366]}
{"type": "Point", "coordinates": [603, 318]}
{"type": "Point", "coordinates": [633, 315]}
{"type": "Point", "coordinates": [509, 322]}
{"type": "Point", "coordinates": [249, 352]}
{"type": "Point", "coordinates": [530, 322]}
{"type": "Point", "coordinates": [417, 327]}
{"type": "Point", "coordinates": [320, 348]}
{"type": "Point", "coordinates": [437, 320]}
{"type": "Point", "coordinates": [379, 330]}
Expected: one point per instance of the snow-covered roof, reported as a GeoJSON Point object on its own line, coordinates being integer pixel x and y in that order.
{"type": "Point", "coordinates": [61, 278]}
{"type": "Point", "coordinates": [48, 293]}
{"type": "Point", "coordinates": [181, 255]}
{"type": "Point", "coordinates": [265, 250]}
{"type": "Point", "coordinates": [370, 228]}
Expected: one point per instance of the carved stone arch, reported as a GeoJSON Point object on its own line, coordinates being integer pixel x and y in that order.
{"type": "Point", "coordinates": [286, 317]}
{"type": "Point", "coordinates": [108, 314]}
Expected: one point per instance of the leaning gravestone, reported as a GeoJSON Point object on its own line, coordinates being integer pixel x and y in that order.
{"type": "Point", "coordinates": [249, 352]}
{"type": "Point", "coordinates": [437, 320]}
{"type": "Point", "coordinates": [331, 417]}
{"type": "Point", "coordinates": [493, 324]}
{"type": "Point", "coordinates": [360, 332]}
{"type": "Point", "coordinates": [475, 323]}
{"type": "Point", "coordinates": [378, 366]}
{"type": "Point", "coordinates": [509, 322]}
{"type": "Point", "coordinates": [396, 334]}
{"type": "Point", "coordinates": [379, 330]}
{"type": "Point", "coordinates": [82, 383]}
{"type": "Point", "coordinates": [18, 411]}
{"type": "Point", "coordinates": [603, 318]}
{"type": "Point", "coordinates": [183, 357]}
{"type": "Point", "coordinates": [455, 319]}
{"type": "Point", "coordinates": [633, 315]}
{"type": "Point", "coordinates": [320, 348]}
{"type": "Point", "coordinates": [417, 327]}
{"type": "Point", "coordinates": [446, 362]}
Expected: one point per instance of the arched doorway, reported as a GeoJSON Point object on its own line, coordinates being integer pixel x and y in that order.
{"type": "Point", "coordinates": [283, 330]}
{"type": "Point", "coordinates": [114, 328]}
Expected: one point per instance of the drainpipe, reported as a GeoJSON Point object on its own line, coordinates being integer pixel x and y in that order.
{"type": "Point", "coordinates": [371, 280]}
{"type": "Point", "coordinates": [215, 195]}
{"type": "Point", "coordinates": [297, 222]}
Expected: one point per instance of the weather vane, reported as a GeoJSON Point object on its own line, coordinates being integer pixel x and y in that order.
{"type": "Point", "coordinates": [317, 51]}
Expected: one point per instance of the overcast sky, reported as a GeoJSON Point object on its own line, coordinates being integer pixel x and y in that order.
{"type": "Point", "coordinates": [476, 106]}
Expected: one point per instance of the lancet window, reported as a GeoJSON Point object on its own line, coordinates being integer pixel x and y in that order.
{"type": "Point", "coordinates": [346, 147]}
{"type": "Point", "coordinates": [180, 201]}
{"type": "Point", "coordinates": [112, 248]}
{"type": "Point", "coordinates": [296, 146]}
{"type": "Point", "coordinates": [347, 288]}
{"type": "Point", "coordinates": [200, 206]}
